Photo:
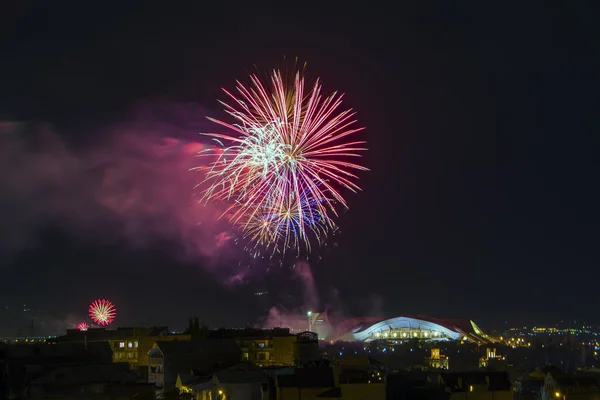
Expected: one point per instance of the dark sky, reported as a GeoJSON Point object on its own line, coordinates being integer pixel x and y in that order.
{"type": "Point", "coordinates": [482, 128]}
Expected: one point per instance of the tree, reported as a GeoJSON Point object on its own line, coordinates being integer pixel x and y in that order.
{"type": "Point", "coordinates": [196, 329]}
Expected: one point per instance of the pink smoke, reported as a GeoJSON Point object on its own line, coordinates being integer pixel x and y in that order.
{"type": "Point", "coordinates": [297, 320]}
{"type": "Point", "coordinates": [278, 317]}
{"type": "Point", "coordinates": [303, 272]}
{"type": "Point", "coordinates": [133, 185]}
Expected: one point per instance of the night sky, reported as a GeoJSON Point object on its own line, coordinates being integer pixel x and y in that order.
{"type": "Point", "coordinates": [482, 129]}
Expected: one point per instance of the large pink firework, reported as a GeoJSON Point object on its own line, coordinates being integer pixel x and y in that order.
{"type": "Point", "coordinates": [284, 161]}
{"type": "Point", "coordinates": [102, 312]}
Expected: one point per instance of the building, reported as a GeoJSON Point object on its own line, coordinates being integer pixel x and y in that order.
{"type": "Point", "coordinates": [306, 348]}
{"type": "Point", "coordinates": [130, 345]}
{"type": "Point", "coordinates": [437, 360]}
{"type": "Point", "coordinates": [452, 386]}
{"type": "Point", "coordinates": [62, 370]}
{"type": "Point", "coordinates": [262, 347]}
{"type": "Point", "coordinates": [491, 359]}
{"type": "Point", "coordinates": [76, 380]}
{"type": "Point", "coordinates": [476, 385]}
{"type": "Point", "coordinates": [168, 359]}
{"type": "Point", "coordinates": [337, 382]}
{"type": "Point", "coordinates": [305, 383]}
{"type": "Point", "coordinates": [236, 384]}
{"type": "Point", "coordinates": [529, 385]}
{"type": "Point", "coordinates": [563, 387]}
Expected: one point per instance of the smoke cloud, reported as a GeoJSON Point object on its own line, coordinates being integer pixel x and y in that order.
{"type": "Point", "coordinates": [375, 306]}
{"type": "Point", "coordinates": [303, 272]}
{"type": "Point", "coordinates": [134, 185]}
{"type": "Point", "coordinates": [337, 309]}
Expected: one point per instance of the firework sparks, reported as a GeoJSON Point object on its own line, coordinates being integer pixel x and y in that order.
{"type": "Point", "coordinates": [283, 164]}
{"type": "Point", "coordinates": [290, 223]}
{"type": "Point", "coordinates": [102, 312]}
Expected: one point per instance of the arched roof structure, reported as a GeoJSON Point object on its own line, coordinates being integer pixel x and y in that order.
{"type": "Point", "coordinates": [407, 327]}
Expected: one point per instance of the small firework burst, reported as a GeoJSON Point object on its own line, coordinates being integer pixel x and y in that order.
{"type": "Point", "coordinates": [82, 326]}
{"type": "Point", "coordinates": [102, 312]}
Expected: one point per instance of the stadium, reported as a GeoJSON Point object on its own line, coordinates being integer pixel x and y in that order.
{"type": "Point", "coordinates": [398, 329]}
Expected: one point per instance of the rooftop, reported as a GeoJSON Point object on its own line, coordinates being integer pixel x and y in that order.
{"type": "Point", "coordinates": [98, 334]}
{"type": "Point", "coordinates": [249, 333]}
{"type": "Point", "coordinates": [308, 378]}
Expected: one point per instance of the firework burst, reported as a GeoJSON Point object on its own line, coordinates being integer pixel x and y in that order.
{"type": "Point", "coordinates": [102, 312]}
{"type": "Point", "coordinates": [283, 163]}
{"type": "Point", "coordinates": [82, 326]}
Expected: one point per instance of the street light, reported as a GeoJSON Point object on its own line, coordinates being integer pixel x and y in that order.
{"type": "Point", "coordinates": [309, 314]}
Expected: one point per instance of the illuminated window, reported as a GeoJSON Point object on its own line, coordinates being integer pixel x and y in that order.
{"type": "Point", "coordinates": [129, 344]}
{"type": "Point", "coordinates": [121, 345]}
{"type": "Point", "coordinates": [135, 344]}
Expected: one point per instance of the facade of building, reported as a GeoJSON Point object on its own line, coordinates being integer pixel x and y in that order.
{"type": "Point", "coordinates": [236, 384]}
{"type": "Point", "coordinates": [130, 345]}
{"type": "Point", "coordinates": [263, 347]}
{"type": "Point", "coordinates": [134, 350]}
{"type": "Point", "coordinates": [438, 360]}
{"type": "Point", "coordinates": [168, 359]}
{"type": "Point", "coordinates": [564, 387]}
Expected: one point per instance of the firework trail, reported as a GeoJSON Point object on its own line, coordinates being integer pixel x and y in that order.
{"type": "Point", "coordinates": [284, 161]}
{"type": "Point", "coordinates": [102, 312]}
